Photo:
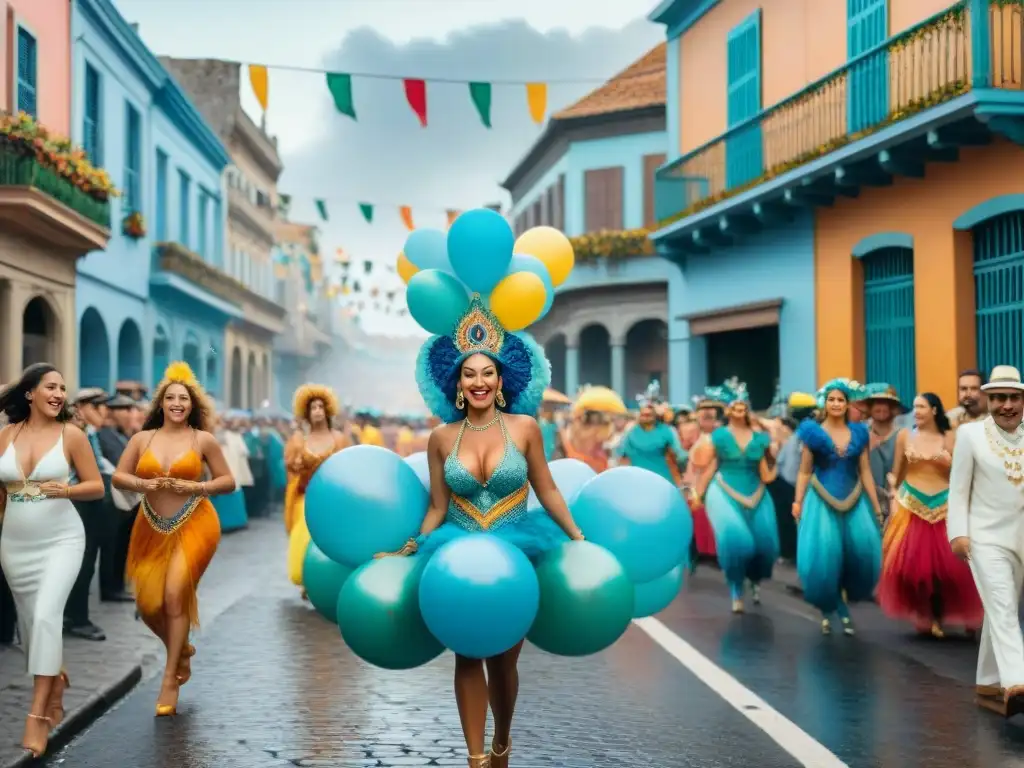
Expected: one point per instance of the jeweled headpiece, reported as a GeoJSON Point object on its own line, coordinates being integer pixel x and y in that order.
{"type": "Point", "coordinates": [479, 331]}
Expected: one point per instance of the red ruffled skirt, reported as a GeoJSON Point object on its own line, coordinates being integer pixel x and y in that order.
{"type": "Point", "coordinates": [703, 534]}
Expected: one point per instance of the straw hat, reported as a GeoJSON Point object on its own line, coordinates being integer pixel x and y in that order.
{"type": "Point", "coordinates": [1004, 377]}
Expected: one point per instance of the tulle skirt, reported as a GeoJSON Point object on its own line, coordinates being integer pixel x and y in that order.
{"type": "Point", "coordinates": [837, 552]}
{"type": "Point", "coordinates": [534, 533]}
{"type": "Point", "coordinates": [151, 552]}
{"type": "Point", "coordinates": [747, 539]}
{"type": "Point", "coordinates": [298, 541]}
{"type": "Point", "coordinates": [922, 580]}
{"type": "Point", "coordinates": [703, 533]}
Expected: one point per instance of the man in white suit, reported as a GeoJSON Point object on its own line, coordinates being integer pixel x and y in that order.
{"type": "Point", "coordinates": [985, 524]}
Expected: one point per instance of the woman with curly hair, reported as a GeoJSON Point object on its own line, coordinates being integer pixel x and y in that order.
{"type": "Point", "coordinates": [177, 533]}
{"type": "Point", "coordinates": [315, 407]}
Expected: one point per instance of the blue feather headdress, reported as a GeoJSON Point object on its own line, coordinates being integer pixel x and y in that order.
{"type": "Point", "coordinates": [852, 389]}
{"type": "Point", "coordinates": [651, 396]}
{"type": "Point", "coordinates": [525, 371]}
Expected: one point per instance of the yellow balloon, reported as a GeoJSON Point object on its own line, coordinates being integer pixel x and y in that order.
{"type": "Point", "coordinates": [405, 268]}
{"type": "Point", "coordinates": [518, 300]}
{"type": "Point", "coordinates": [552, 248]}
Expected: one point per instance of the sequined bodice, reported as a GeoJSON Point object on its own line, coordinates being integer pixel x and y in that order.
{"type": "Point", "coordinates": [739, 468]}
{"type": "Point", "coordinates": [500, 500]}
{"type": "Point", "coordinates": [928, 470]}
{"type": "Point", "coordinates": [837, 472]}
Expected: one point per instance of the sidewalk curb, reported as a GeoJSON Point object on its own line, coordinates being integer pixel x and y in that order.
{"type": "Point", "coordinates": [82, 717]}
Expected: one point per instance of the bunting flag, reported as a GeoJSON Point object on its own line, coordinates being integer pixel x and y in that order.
{"type": "Point", "coordinates": [406, 213]}
{"type": "Point", "coordinates": [367, 210]}
{"type": "Point", "coordinates": [284, 204]}
{"type": "Point", "coordinates": [480, 93]}
{"type": "Point", "coordinates": [416, 95]}
{"type": "Point", "coordinates": [321, 207]}
{"type": "Point", "coordinates": [452, 215]}
{"type": "Point", "coordinates": [537, 101]}
{"type": "Point", "coordinates": [260, 82]}
{"type": "Point", "coordinates": [368, 266]}
{"type": "Point", "coordinates": [340, 86]}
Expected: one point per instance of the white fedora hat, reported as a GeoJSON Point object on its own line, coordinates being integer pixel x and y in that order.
{"type": "Point", "coordinates": [1004, 377]}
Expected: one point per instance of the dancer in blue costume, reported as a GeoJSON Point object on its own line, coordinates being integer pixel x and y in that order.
{"type": "Point", "coordinates": [486, 384]}
{"type": "Point", "coordinates": [839, 540]}
{"type": "Point", "coordinates": [741, 511]}
{"type": "Point", "coordinates": [651, 443]}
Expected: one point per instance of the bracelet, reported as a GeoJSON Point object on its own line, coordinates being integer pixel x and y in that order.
{"type": "Point", "coordinates": [202, 489]}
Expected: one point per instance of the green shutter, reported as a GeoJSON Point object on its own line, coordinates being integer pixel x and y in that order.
{"type": "Point", "coordinates": [744, 155]}
{"type": "Point", "coordinates": [889, 346]}
{"type": "Point", "coordinates": [999, 291]}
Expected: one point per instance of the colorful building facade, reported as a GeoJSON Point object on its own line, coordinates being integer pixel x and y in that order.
{"type": "Point", "coordinates": [893, 128]}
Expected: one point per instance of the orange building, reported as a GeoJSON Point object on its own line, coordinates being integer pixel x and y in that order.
{"type": "Point", "coordinates": [899, 124]}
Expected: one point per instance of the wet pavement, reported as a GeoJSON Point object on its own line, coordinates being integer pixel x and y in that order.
{"type": "Point", "coordinates": [275, 686]}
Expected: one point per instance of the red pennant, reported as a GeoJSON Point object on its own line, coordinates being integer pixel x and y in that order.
{"type": "Point", "coordinates": [416, 95]}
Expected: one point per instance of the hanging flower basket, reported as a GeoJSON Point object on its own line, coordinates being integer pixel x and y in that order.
{"type": "Point", "coordinates": [134, 225]}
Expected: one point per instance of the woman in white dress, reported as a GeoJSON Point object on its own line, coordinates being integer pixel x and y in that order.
{"type": "Point", "coordinates": [43, 539]}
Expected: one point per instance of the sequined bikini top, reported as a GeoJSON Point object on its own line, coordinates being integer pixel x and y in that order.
{"type": "Point", "coordinates": [188, 466]}
{"type": "Point", "coordinates": [500, 500]}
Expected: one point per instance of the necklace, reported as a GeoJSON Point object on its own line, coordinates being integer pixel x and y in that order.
{"type": "Point", "coordinates": [483, 427]}
{"type": "Point", "coordinates": [1007, 446]}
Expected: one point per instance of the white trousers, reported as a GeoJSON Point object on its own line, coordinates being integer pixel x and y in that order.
{"type": "Point", "coordinates": [999, 575]}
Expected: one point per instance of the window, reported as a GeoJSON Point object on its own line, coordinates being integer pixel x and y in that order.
{"type": "Point", "coordinates": [867, 26]}
{"type": "Point", "coordinates": [603, 199]}
{"type": "Point", "coordinates": [161, 196]}
{"type": "Point", "coordinates": [743, 150]}
{"type": "Point", "coordinates": [28, 68]}
{"type": "Point", "coordinates": [184, 195]}
{"type": "Point", "coordinates": [92, 128]}
{"type": "Point", "coordinates": [202, 247]}
{"type": "Point", "coordinates": [218, 234]}
{"type": "Point", "coordinates": [132, 159]}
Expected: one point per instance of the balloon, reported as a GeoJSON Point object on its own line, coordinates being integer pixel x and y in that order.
{"type": "Point", "coordinates": [657, 595]}
{"type": "Point", "coordinates": [570, 475]}
{"type": "Point", "coordinates": [586, 600]}
{"type": "Point", "coordinates": [427, 249]}
{"type": "Point", "coordinates": [480, 248]}
{"type": "Point", "coordinates": [323, 579]}
{"type": "Point", "coordinates": [418, 462]}
{"type": "Point", "coordinates": [552, 248]}
{"type": "Point", "coordinates": [518, 300]}
{"type": "Point", "coordinates": [436, 300]}
{"type": "Point", "coordinates": [479, 595]}
{"type": "Point", "coordinates": [640, 517]}
{"type": "Point", "coordinates": [379, 614]}
{"type": "Point", "coordinates": [405, 268]}
{"type": "Point", "coordinates": [523, 263]}
{"type": "Point", "coordinates": [362, 501]}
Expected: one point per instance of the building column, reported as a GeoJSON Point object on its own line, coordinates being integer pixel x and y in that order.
{"type": "Point", "coordinates": [618, 349]}
{"type": "Point", "coordinates": [10, 352]}
{"type": "Point", "coordinates": [572, 369]}
{"type": "Point", "coordinates": [66, 341]}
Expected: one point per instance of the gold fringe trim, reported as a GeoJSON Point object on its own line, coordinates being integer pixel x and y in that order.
{"type": "Point", "coordinates": [839, 505]}
{"type": "Point", "coordinates": [914, 505]}
{"type": "Point", "coordinates": [487, 519]}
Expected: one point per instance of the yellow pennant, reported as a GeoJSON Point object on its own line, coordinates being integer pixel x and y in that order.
{"type": "Point", "coordinates": [537, 100]}
{"type": "Point", "coordinates": [260, 83]}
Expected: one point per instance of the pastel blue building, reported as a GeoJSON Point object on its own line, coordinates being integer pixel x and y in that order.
{"type": "Point", "coordinates": [591, 175]}
{"type": "Point", "coordinates": [161, 296]}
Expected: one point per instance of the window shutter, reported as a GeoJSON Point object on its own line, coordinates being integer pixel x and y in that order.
{"type": "Point", "coordinates": [559, 216]}
{"type": "Point", "coordinates": [651, 164]}
{"type": "Point", "coordinates": [603, 191]}
{"type": "Point", "coordinates": [27, 72]}
{"type": "Point", "coordinates": [538, 213]}
{"type": "Point", "coordinates": [593, 193]}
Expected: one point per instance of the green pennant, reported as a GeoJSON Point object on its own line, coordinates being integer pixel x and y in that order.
{"type": "Point", "coordinates": [340, 86]}
{"type": "Point", "coordinates": [367, 210]}
{"type": "Point", "coordinates": [480, 93]}
{"type": "Point", "coordinates": [321, 206]}
{"type": "Point", "coordinates": [284, 204]}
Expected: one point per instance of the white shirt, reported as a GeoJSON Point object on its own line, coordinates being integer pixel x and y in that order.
{"type": "Point", "coordinates": [983, 504]}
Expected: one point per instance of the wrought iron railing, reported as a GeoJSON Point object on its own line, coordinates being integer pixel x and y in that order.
{"type": "Point", "coordinates": [922, 67]}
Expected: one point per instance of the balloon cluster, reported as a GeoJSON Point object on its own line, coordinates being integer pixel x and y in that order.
{"type": "Point", "coordinates": [478, 595]}
{"type": "Point", "coordinates": [480, 254]}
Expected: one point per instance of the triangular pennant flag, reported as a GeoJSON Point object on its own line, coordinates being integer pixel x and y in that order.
{"type": "Point", "coordinates": [321, 207]}
{"type": "Point", "coordinates": [416, 95]}
{"type": "Point", "coordinates": [356, 287]}
{"type": "Point", "coordinates": [260, 84]}
{"type": "Point", "coordinates": [284, 204]}
{"type": "Point", "coordinates": [452, 215]}
{"type": "Point", "coordinates": [537, 101]}
{"type": "Point", "coordinates": [368, 266]}
{"type": "Point", "coordinates": [340, 86]}
{"type": "Point", "coordinates": [406, 213]}
{"type": "Point", "coordinates": [367, 210]}
{"type": "Point", "coordinates": [480, 93]}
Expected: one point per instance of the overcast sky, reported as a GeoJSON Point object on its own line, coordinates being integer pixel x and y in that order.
{"type": "Point", "coordinates": [386, 158]}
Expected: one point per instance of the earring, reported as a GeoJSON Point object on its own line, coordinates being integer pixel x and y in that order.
{"type": "Point", "coordinates": [460, 400]}
{"type": "Point", "coordinates": [500, 399]}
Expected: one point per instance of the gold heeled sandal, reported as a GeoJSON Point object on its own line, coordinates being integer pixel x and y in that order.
{"type": "Point", "coordinates": [55, 708]}
{"type": "Point", "coordinates": [499, 757]}
{"type": "Point", "coordinates": [185, 664]}
{"type": "Point", "coordinates": [35, 750]}
{"type": "Point", "coordinates": [480, 761]}
{"type": "Point", "coordinates": [167, 710]}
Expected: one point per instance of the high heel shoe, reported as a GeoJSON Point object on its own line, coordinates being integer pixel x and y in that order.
{"type": "Point", "coordinates": [499, 757]}
{"type": "Point", "coordinates": [55, 707]}
{"type": "Point", "coordinates": [36, 750]}
{"type": "Point", "coordinates": [848, 628]}
{"type": "Point", "coordinates": [185, 664]}
{"type": "Point", "coordinates": [167, 710]}
{"type": "Point", "coordinates": [480, 761]}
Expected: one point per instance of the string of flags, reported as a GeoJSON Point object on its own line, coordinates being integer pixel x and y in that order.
{"type": "Point", "coordinates": [341, 86]}
{"type": "Point", "coordinates": [369, 211]}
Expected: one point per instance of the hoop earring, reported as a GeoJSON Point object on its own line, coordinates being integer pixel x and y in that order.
{"type": "Point", "coordinates": [460, 400]}
{"type": "Point", "coordinates": [500, 399]}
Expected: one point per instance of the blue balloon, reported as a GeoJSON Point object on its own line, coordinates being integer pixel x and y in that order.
{"type": "Point", "coordinates": [418, 462]}
{"type": "Point", "coordinates": [428, 249]}
{"type": "Point", "coordinates": [480, 246]}
{"type": "Point", "coordinates": [479, 595]}
{"type": "Point", "coordinates": [570, 475]}
{"type": "Point", "coordinates": [521, 262]}
{"type": "Point", "coordinates": [362, 501]}
{"type": "Point", "coordinates": [657, 595]}
{"type": "Point", "coordinates": [436, 300]}
{"type": "Point", "coordinates": [640, 517]}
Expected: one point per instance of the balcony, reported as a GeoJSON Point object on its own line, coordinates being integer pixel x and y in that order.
{"type": "Point", "coordinates": [913, 100]}
{"type": "Point", "coordinates": [41, 204]}
{"type": "Point", "coordinates": [258, 219]}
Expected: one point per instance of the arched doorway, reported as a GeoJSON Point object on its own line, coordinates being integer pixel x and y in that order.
{"type": "Point", "coordinates": [595, 356]}
{"type": "Point", "coordinates": [250, 382]}
{"type": "Point", "coordinates": [161, 354]}
{"type": "Point", "coordinates": [190, 353]}
{"type": "Point", "coordinates": [129, 352]}
{"type": "Point", "coordinates": [554, 349]}
{"type": "Point", "coordinates": [646, 357]}
{"type": "Point", "coordinates": [212, 374]}
{"type": "Point", "coordinates": [39, 333]}
{"type": "Point", "coordinates": [236, 378]}
{"type": "Point", "coordinates": [999, 302]}
{"type": "Point", "coordinates": [93, 351]}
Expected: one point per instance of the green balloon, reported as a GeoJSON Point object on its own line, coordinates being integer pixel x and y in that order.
{"type": "Point", "coordinates": [322, 579]}
{"type": "Point", "coordinates": [379, 614]}
{"type": "Point", "coordinates": [586, 600]}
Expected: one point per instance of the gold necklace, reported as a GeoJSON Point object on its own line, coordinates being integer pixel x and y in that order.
{"type": "Point", "coordinates": [1011, 454]}
{"type": "Point", "coordinates": [483, 427]}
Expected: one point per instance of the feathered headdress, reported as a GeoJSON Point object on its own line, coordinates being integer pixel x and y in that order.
{"type": "Point", "coordinates": [713, 397]}
{"type": "Point", "coordinates": [180, 372]}
{"type": "Point", "coordinates": [734, 391]}
{"type": "Point", "coordinates": [650, 396]}
{"type": "Point", "coordinates": [851, 388]}
{"type": "Point", "coordinates": [307, 393]}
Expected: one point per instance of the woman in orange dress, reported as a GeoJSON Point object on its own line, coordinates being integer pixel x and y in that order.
{"type": "Point", "coordinates": [177, 531]}
{"type": "Point", "coordinates": [315, 406]}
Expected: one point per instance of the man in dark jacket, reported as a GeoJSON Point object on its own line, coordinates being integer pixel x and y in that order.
{"type": "Point", "coordinates": [113, 439]}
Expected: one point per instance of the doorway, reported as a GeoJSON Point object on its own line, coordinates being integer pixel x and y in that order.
{"type": "Point", "coordinates": [750, 354]}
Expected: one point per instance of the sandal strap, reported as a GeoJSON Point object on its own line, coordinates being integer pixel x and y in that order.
{"type": "Point", "coordinates": [39, 717]}
{"type": "Point", "coordinates": [495, 752]}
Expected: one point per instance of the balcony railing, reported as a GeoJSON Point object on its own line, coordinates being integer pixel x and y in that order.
{"type": "Point", "coordinates": [925, 66]}
{"type": "Point", "coordinates": [20, 170]}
